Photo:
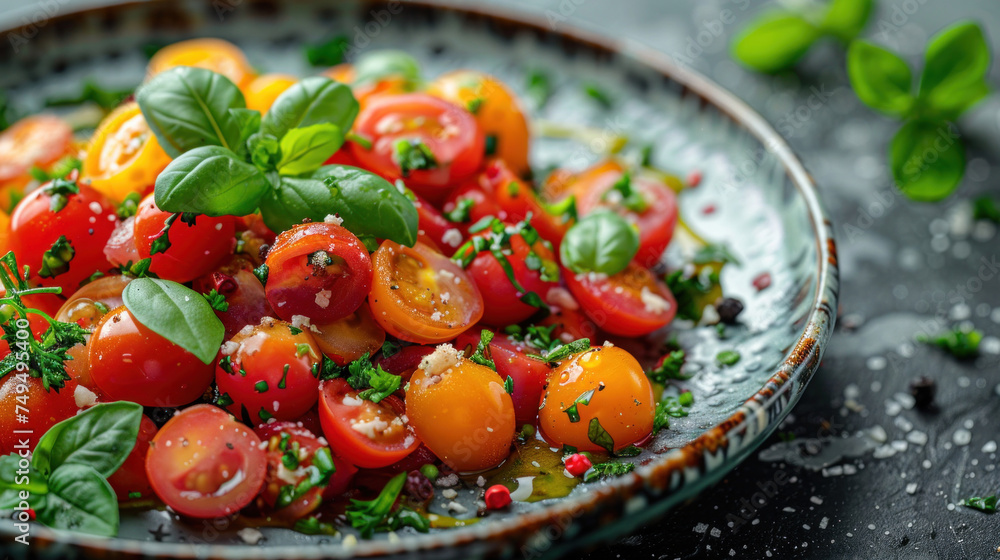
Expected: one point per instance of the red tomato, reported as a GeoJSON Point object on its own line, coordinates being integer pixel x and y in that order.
{"type": "Point", "coordinates": [656, 221]}
{"type": "Point", "coordinates": [195, 250]}
{"type": "Point", "coordinates": [570, 320]}
{"type": "Point", "coordinates": [405, 361]}
{"type": "Point", "coordinates": [419, 295]}
{"type": "Point", "coordinates": [518, 200]}
{"type": "Point", "coordinates": [369, 435]}
{"type": "Point", "coordinates": [394, 123]}
{"type": "Point", "coordinates": [91, 302]}
{"type": "Point", "coordinates": [130, 481]}
{"type": "Point", "coordinates": [445, 235]}
{"type": "Point", "coordinates": [120, 249]}
{"type": "Point", "coordinates": [130, 362]}
{"type": "Point", "coordinates": [350, 338]}
{"type": "Point", "coordinates": [479, 204]}
{"type": "Point", "coordinates": [268, 372]}
{"type": "Point", "coordinates": [82, 220]}
{"type": "Point", "coordinates": [630, 303]}
{"type": "Point", "coordinates": [318, 270]}
{"type": "Point", "coordinates": [511, 359]}
{"type": "Point", "coordinates": [45, 409]}
{"type": "Point", "coordinates": [205, 464]}
{"type": "Point", "coordinates": [244, 294]}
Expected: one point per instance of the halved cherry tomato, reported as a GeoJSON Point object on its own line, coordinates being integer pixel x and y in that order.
{"type": "Point", "coordinates": [419, 295]}
{"type": "Point", "coordinates": [369, 435]}
{"type": "Point", "coordinates": [445, 235]}
{"type": "Point", "coordinates": [319, 270]}
{"type": "Point", "coordinates": [47, 408]}
{"type": "Point", "coordinates": [300, 468]}
{"type": "Point", "coordinates": [494, 107]}
{"type": "Point", "coordinates": [630, 303]}
{"type": "Point", "coordinates": [263, 90]}
{"type": "Point", "coordinates": [246, 304]}
{"type": "Point", "coordinates": [130, 481]}
{"type": "Point", "coordinates": [460, 410]}
{"type": "Point", "coordinates": [511, 359]}
{"type": "Point", "coordinates": [570, 320]}
{"type": "Point", "coordinates": [120, 249]}
{"type": "Point", "coordinates": [656, 221]}
{"type": "Point", "coordinates": [475, 201]}
{"type": "Point", "coordinates": [36, 140]}
{"type": "Point", "coordinates": [195, 250]}
{"type": "Point", "coordinates": [405, 361]}
{"type": "Point", "coordinates": [123, 156]}
{"type": "Point", "coordinates": [130, 362]}
{"type": "Point", "coordinates": [617, 392]}
{"type": "Point", "coordinates": [93, 301]}
{"type": "Point", "coordinates": [399, 124]}
{"type": "Point", "coordinates": [212, 54]}
{"type": "Point", "coordinates": [350, 338]}
{"type": "Point", "coordinates": [59, 231]}
{"type": "Point", "coordinates": [268, 372]}
{"type": "Point", "coordinates": [518, 200]}
{"type": "Point", "coordinates": [205, 464]}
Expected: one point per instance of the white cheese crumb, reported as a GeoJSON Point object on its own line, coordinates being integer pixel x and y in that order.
{"type": "Point", "coordinates": [653, 302]}
{"type": "Point", "coordinates": [229, 348]}
{"type": "Point", "coordinates": [84, 397]}
{"type": "Point", "coordinates": [457, 507]}
{"type": "Point", "coordinates": [444, 356]}
{"type": "Point", "coordinates": [447, 481]}
{"type": "Point", "coordinates": [250, 535]}
{"type": "Point", "coordinates": [452, 237]}
{"type": "Point", "coordinates": [371, 428]}
{"type": "Point", "coordinates": [480, 482]}
{"type": "Point", "coordinates": [436, 316]}
{"type": "Point", "coordinates": [323, 298]}
{"type": "Point", "coordinates": [333, 219]}
{"type": "Point", "coordinates": [449, 494]}
{"type": "Point", "coordinates": [351, 401]}
{"type": "Point", "coordinates": [560, 297]}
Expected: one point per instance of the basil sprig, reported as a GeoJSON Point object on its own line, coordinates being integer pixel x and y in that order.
{"type": "Point", "coordinates": [177, 313]}
{"type": "Point", "coordinates": [66, 482]}
{"type": "Point", "coordinates": [601, 242]}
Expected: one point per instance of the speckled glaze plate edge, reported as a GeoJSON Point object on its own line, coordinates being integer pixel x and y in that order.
{"type": "Point", "coordinates": [631, 501]}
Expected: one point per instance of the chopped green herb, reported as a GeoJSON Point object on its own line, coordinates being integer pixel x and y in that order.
{"type": "Point", "coordinates": [671, 407]}
{"type": "Point", "coordinates": [688, 290]}
{"type": "Point", "coordinates": [584, 399]}
{"type": "Point", "coordinates": [985, 208]}
{"type": "Point", "coordinates": [139, 269]}
{"type": "Point", "coordinates": [668, 368]}
{"type": "Point", "coordinates": [301, 349]}
{"type": "Point", "coordinates": [460, 214]}
{"type": "Point", "coordinates": [91, 92]}
{"type": "Point", "coordinates": [963, 344]}
{"type": "Point", "coordinates": [224, 400]}
{"type": "Point", "coordinates": [374, 515]}
{"type": "Point", "coordinates": [598, 94]}
{"type": "Point", "coordinates": [130, 206]}
{"type": "Point", "coordinates": [260, 386]}
{"type": "Point", "coordinates": [413, 155]}
{"type": "Point", "coordinates": [294, 330]}
{"type": "Point", "coordinates": [631, 198]}
{"type": "Point", "coordinates": [539, 87]}
{"type": "Point", "coordinates": [630, 451]}
{"type": "Point", "coordinates": [987, 504]}
{"type": "Point", "coordinates": [508, 385]}
{"type": "Point", "coordinates": [537, 336]}
{"type": "Point", "coordinates": [59, 170]}
{"type": "Point", "coordinates": [313, 526]}
{"type": "Point", "coordinates": [56, 259]}
{"type": "Point", "coordinates": [483, 356]}
{"type": "Point", "coordinates": [714, 253]}
{"type": "Point", "coordinates": [390, 348]}
{"type": "Point", "coordinates": [217, 301]}
{"type": "Point", "coordinates": [599, 436]}
{"type": "Point", "coordinates": [727, 357]}
{"type": "Point", "coordinates": [374, 383]}
{"type": "Point", "coordinates": [328, 53]}
{"type": "Point", "coordinates": [564, 351]}
{"type": "Point", "coordinates": [261, 273]}
{"type": "Point", "coordinates": [474, 105]}
{"type": "Point", "coordinates": [605, 470]}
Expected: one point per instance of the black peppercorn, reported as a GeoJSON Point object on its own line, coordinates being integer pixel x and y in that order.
{"type": "Point", "coordinates": [729, 309]}
{"type": "Point", "coordinates": [923, 390]}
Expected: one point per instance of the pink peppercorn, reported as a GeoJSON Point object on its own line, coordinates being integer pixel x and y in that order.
{"type": "Point", "coordinates": [694, 178]}
{"type": "Point", "coordinates": [497, 497]}
{"type": "Point", "coordinates": [762, 281]}
{"type": "Point", "coordinates": [577, 464]}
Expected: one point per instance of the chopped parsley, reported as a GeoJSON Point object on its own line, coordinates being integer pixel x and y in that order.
{"type": "Point", "coordinates": [328, 53]}
{"type": "Point", "coordinates": [217, 301]}
{"type": "Point", "coordinates": [986, 504]}
{"type": "Point", "coordinates": [318, 474]}
{"type": "Point", "coordinates": [261, 273]}
{"type": "Point", "coordinates": [539, 87]}
{"type": "Point", "coordinates": [139, 269]}
{"type": "Point", "coordinates": [688, 290]}
{"type": "Point", "coordinates": [563, 351]}
{"type": "Point", "coordinates": [130, 206]}
{"type": "Point", "coordinates": [536, 336]}
{"type": "Point", "coordinates": [482, 354]}
{"type": "Point", "coordinates": [598, 94]}
{"type": "Point", "coordinates": [668, 368]}
{"type": "Point", "coordinates": [714, 253]}
{"type": "Point", "coordinates": [390, 348]}
{"type": "Point", "coordinates": [373, 382]}
{"type": "Point", "coordinates": [605, 470]}
{"type": "Point", "coordinates": [961, 343]}
{"type": "Point", "coordinates": [671, 406]}
{"type": "Point", "coordinates": [413, 155]}
{"type": "Point", "coordinates": [378, 515]}
{"type": "Point", "coordinates": [508, 385]}
{"type": "Point", "coordinates": [728, 357]}
{"type": "Point", "coordinates": [584, 399]}
{"type": "Point", "coordinates": [460, 214]}
{"type": "Point", "coordinates": [599, 436]}
{"type": "Point", "coordinates": [631, 198]}
{"type": "Point", "coordinates": [58, 171]}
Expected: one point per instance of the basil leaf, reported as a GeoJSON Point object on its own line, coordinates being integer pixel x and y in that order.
{"type": "Point", "coordinates": [210, 180]}
{"type": "Point", "coordinates": [922, 168]}
{"type": "Point", "coordinates": [80, 500]}
{"type": "Point", "coordinates": [315, 100]}
{"type": "Point", "coordinates": [100, 437]}
{"type": "Point", "coordinates": [176, 313]}
{"type": "Point", "coordinates": [881, 79]}
{"type": "Point", "coordinates": [601, 242]}
{"type": "Point", "coordinates": [249, 120]}
{"type": "Point", "coordinates": [33, 482]}
{"type": "Point", "coordinates": [599, 436]}
{"type": "Point", "coordinates": [368, 204]}
{"type": "Point", "coordinates": [305, 149]}
{"type": "Point", "coordinates": [265, 151]}
{"type": "Point", "coordinates": [188, 107]}
{"type": "Point", "coordinates": [377, 65]}
{"type": "Point", "coordinates": [774, 42]}
{"type": "Point", "coordinates": [846, 18]}
{"type": "Point", "coordinates": [955, 69]}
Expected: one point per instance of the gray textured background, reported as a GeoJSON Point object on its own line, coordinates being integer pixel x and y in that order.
{"type": "Point", "coordinates": [901, 265]}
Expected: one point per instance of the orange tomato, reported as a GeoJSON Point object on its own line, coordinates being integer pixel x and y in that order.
{"type": "Point", "coordinates": [214, 54]}
{"type": "Point", "coordinates": [124, 156]}
{"type": "Point", "coordinates": [4, 232]}
{"type": "Point", "coordinates": [350, 338]}
{"type": "Point", "coordinates": [460, 411]}
{"type": "Point", "coordinates": [263, 90]}
{"type": "Point", "coordinates": [495, 108]}
{"type": "Point", "coordinates": [620, 398]}
{"type": "Point", "coordinates": [38, 140]}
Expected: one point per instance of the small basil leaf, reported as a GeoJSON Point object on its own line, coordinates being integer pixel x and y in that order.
{"type": "Point", "coordinates": [601, 242]}
{"type": "Point", "coordinates": [176, 313]}
{"type": "Point", "coordinates": [844, 19]}
{"type": "Point", "coordinates": [774, 42]}
{"type": "Point", "coordinates": [80, 500]}
{"type": "Point", "coordinates": [881, 79]}
{"type": "Point", "coordinates": [599, 436]}
{"type": "Point", "coordinates": [305, 149]}
{"type": "Point", "coordinates": [377, 65]}
{"type": "Point", "coordinates": [928, 160]}
{"type": "Point", "coordinates": [100, 437]}
{"type": "Point", "coordinates": [314, 100]}
{"type": "Point", "coordinates": [34, 482]}
{"type": "Point", "coordinates": [265, 151]}
{"type": "Point", "coordinates": [210, 180]}
{"type": "Point", "coordinates": [249, 120]}
{"type": "Point", "coordinates": [955, 68]}
{"type": "Point", "coordinates": [369, 205]}
{"type": "Point", "coordinates": [188, 107]}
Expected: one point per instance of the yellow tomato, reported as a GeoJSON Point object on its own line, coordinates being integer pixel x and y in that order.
{"type": "Point", "coordinates": [263, 90]}
{"type": "Point", "coordinates": [619, 394]}
{"type": "Point", "coordinates": [496, 110]}
{"type": "Point", "coordinates": [213, 54]}
{"type": "Point", "coordinates": [124, 155]}
{"type": "Point", "coordinates": [460, 410]}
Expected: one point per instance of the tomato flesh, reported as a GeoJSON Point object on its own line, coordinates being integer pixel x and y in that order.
{"type": "Point", "coordinates": [630, 303]}
{"type": "Point", "coordinates": [368, 435]}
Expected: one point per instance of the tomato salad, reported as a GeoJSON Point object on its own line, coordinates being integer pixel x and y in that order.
{"type": "Point", "coordinates": [329, 302]}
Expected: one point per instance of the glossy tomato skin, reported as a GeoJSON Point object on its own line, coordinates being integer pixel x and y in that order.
{"type": "Point", "coordinates": [461, 412]}
{"type": "Point", "coordinates": [124, 156]}
{"type": "Point", "coordinates": [244, 294]}
{"type": "Point", "coordinates": [405, 361]}
{"type": "Point", "coordinates": [204, 464]}
{"type": "Point", "coordinates": [349, 338]}
{"type": "Point", "coordinates": [449, 131]}
{"type": "Point", "coordinates": [263, 90]}
{"type": "Point", "coordinates": [281, 439]}
{"type": "Point", "coordinates": [34, 140]}
{"type": "Point", "coordinates": [195, 250]}
{"type": "Point", "coordinates": [511, 359]}
{"type": "Point", "coordinates": [502, 303]}
{"type": "Point", "coordinates": [130, 481]}
{"type": "Point", "coordinates": [482, 204]}
{"type": "Point", "coordinates": [421, 296]}
{"type": "Point", "coordinates": [366, 434]}
{"type": "Point", "coordinates": [130, 362]}
{"type": "Point", "coordinates": [90, 303]}
{"type": "Point", "coordinates": [622, 399]}
{"type": "Point", "coordinates": [47, 408]}
{"type": "Point", "coordinates": [518, 199]}
{"type": "Point", "coordinates": [446, 236]}
{"type": "Point", "coordinates": [630, 303]}
{"type": "Point", "coordinates": [318, 270]}
{"type": "Point", "coordinates": [86, 221]}
{"type": "Point", "coordinates": [216, 55]}
{"type": "Point", "coordinates": [268, 372]}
